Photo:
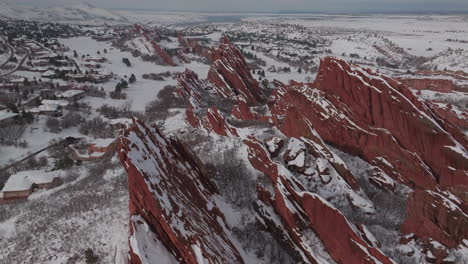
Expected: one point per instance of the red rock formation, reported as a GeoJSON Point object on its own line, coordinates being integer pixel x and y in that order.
{"type": "Point", "coordinates": [375, 117]}
{"type": "Point", "coordinates": [162, 53]}
{"type": "Point", "coordinates": [242, 111]}
{"type": "Point", "coordinates": [437, 215]}
{"type": "Point", "coordinates": [172, 196]}
{"type": "Point", "coordinates": [217, 123]}
{"type": "Point", "coordinates": [182, 57]}
{"type": "Point", "coordinates": [438, 85]}
{"type": "Point", "coordinates": [301, 211]}
{"type": "Point", "coordinates": [152, 40]}
{"type": "Point", "coordinates": [211, 120]}
{"type": "Point", "coordinates": [451, 113]}
{"type": "Point", "coordinates": [189, 87]}
{"type": "Point", "coordinates": [231, 76]}
{"type": "Point", "coordinates": [274, 145]}
{"type": "Point", "coordinates": [182, 41]}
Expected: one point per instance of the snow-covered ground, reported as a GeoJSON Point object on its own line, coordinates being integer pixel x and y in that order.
{"type": "Point", "coordinates": [142, 91]}
{"type": "Point", "coordinates": [57, 226]}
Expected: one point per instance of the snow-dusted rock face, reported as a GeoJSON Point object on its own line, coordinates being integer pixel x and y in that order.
{"type": "Point", "coordinates": [171, 204]}
{"type": "Point", "coordinates": [189, 86]}
{"type": "Point", "coordinates": [439, 81]}
{"type": "Point", "coordinates": [309, 171]}
{"type": "Point", "coordinates": [274, 145]}
{"type": "Point", "coordinates": [438, 85]}
{"type": "Point", "coordinates": [295, 155]}
{"type": "Point", "coordinates": [311, 229]}
{"type": "Point", "coordinates": [230, 74]}
{"type": "Point", "coordinates": [437, 215]}
{"type": "Point", "coordinates": [378, 119]}
{"type": "Point", "coordinates": [452, 113]}
{"type": "Point", "coordinates": [157, 48]}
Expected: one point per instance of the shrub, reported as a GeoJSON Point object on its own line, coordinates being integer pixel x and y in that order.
{"type": "Point", "coordinates": [71, 119]}
{"type": "Point", "coordinates": [63, 163]}
{"type": "Point", "coordinates": [53, 125]}
{"type": "Point", "coordinates": [90, 256]}
{"type": "Point", "coordinates": [95, 92]}
{"type": "Point", "coordinates": [167, 99]}
{"type": "Point", "coordinates": [97, 128]}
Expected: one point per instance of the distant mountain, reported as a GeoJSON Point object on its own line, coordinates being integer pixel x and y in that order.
{"type": "Point", "coordinates": [61, 12]}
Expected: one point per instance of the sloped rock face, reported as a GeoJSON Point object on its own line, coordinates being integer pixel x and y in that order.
{"type": "Point", "coordinates": [230, 74]}
{"type": "Point", "coordinates": [440, 81]}
{"type": "Point", "coordinates": [216, 122]}
{"type": "Point", "coordinates": [437, 215]}
{"type": "Point", "coordinates": [242, 111]}
{"type": "Point", "coordinates": [380, 120]}
{"type": "Point", "coordinates": [375, 117]}
{"type": "Point", "coordinates": [305, 195]}
{"type": "Point", "coordinates": [171, 195]}
{"type": "Point", "coordinates": [189, 87]}
{"type": "Point", "coordinates": [307, 219]}
{"type": "Point", "coordinates": [438, 85]}
{"type": "Point", "coordinates": [160, 51]}
{"type": "Point", "coordinates": [451, 113]}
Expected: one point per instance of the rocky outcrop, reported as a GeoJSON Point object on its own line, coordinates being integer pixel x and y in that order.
{"type": "Point", "coordinates": [171, 202]}
{"type": "Point", "coordinates": [274, 145]}
{"type": "Point", "coordinates": [189, 86]}
{"type": "Point", "coordinates": [437, 215]}
{"type": "Point", "coordinates": [451, 113]}
{"type": "Point", "coordinates": [211, 121]}
{"type": "Point", "coordinates": [242, 111]}
{"type": "Point", "coordinates": [309, 227]}
{"type": "Point", "coordinates": [182, 57]}
{"type": "Point", "coordinates": [230, 75]}
{"type": "Point", "coordinates": [377, 118]}
{"type": "Point", "coordinates": [295, 155]}
{"type": "Point", "coordinates": [216, 122]}
{"type": "Point", "coordinates": [162, 53]}
{"type": "Point", "coordinates": [439, 81]}
{"type": "Point", "coordinates": [437, 85]}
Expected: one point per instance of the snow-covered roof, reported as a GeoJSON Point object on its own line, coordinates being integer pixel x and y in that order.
{"type": "Point", "coordinates": [103, 142]}
{"type": "Point", "coordinates": [55, 102]}
{"type": "Point", "coordinates": [45, 108]}
{"type": "Point", "coordinates": [48, 73]}
{"type": "Point", "coordinates": [120, 121]}
{"type": "Point", "coordinates": [71, 93]}
{"type": "Point", "coordinates": [24, 180]}
{"type": "Point", "coordinates": [6, 115]}
{"type": "Point", "coordinates": [18, 80]}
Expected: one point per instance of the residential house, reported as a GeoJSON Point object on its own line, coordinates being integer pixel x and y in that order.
{"type": "Point", "coordinates": [72, 95]}
{"type": "Point", "coordinates": [6, 118]}
{"type": "Point", "coordinates": [95, 150]}
{"type": "Point", "coordinates": [21, 185]}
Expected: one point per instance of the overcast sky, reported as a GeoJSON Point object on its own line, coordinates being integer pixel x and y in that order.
{"type": "Point", "coordinates": [341, 6]}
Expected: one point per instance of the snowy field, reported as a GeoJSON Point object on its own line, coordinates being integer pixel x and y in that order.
{"type": "Point", "coordinates": [142, 91]}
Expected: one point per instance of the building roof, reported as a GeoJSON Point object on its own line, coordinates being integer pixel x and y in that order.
{"type": "Point", "coordinates": [4, 115]}
{"type": "Point", "coordinates": [71, 93]}
{"type": "Point", "coordinates": [45, 108]}
{"type": "Point", "coordinates": [102, 142]}
{"type": "Point", "coordinates": [24, 180]}
{"type": "Point", "coordinates": [55, 102]}
{"type": "Point", "coordinates": [120, 121]}
{"type": "Point", "coordinates": [49, 73]}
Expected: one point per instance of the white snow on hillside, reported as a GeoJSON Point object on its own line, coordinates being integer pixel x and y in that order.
{"type": "Point", "coordinates": [60, 13]}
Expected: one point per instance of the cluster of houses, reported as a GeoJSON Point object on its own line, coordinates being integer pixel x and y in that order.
{"type": "Point", "coordinates": [21, 185]}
